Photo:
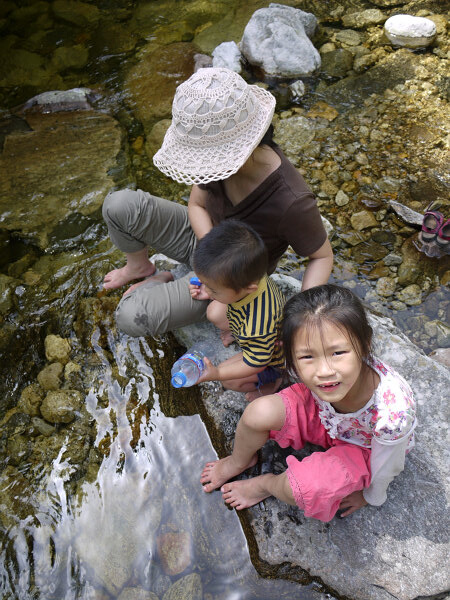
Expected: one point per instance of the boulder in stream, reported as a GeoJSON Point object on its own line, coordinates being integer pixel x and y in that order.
{"type": "Point", "coordinates": [276, 39]}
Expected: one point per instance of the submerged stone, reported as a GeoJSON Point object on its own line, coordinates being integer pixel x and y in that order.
{"type": "Point", "coordinates": [364, 18]}
{"type": "Point", "coordinates": [57, 349]}
{"type": "Point", "coordinates": [186, 588]}
{"type": "Point", "coordinates": [67, 57]}
{"type": "Point", "coordinates": [50, 376]}
{"type": "Point", "coordinates": [174, 549]}
{"type": "Point", "coordinates": [151, 84]}
{"type": "Point", "coordinates": [77, 13]}
{"type": "Point", "coordinates": [136, 593]}
{"type": "Point", "coordinates": [59, 169]}
{"type": "Point", "coordinates": [61, 406]}
{"type": "Point", "coordinates": [31, 399]}
{"type": "Point", "coordinates": [293, 135]}
{"type": "Point", "coordinates": [337, 63]}
{"type": "Point", "coordinates": [363, 220]}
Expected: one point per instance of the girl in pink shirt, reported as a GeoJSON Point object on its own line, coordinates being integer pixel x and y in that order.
{"type": "Point", "coordinates": [359, 410]}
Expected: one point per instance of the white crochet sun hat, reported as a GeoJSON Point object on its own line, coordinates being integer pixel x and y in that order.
{"type": "Point", "coordinates": [218, 119]}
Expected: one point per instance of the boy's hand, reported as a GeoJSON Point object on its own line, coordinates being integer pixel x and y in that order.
{"type": "Point", "coordinates": [211, 373]}
{"type": "Point", "coordinates": [198, 292]}
{"type": "Point", "coordinates": [352, 502]}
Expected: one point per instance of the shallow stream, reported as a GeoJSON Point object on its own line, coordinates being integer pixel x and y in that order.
{"type": "Point", "coordinates": [108, 505]}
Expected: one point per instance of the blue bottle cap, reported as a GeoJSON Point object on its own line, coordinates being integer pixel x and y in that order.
{"type": "Point", "coordinates": [178, 379]}
{"type": "Point", "coordinates": [195, 281]}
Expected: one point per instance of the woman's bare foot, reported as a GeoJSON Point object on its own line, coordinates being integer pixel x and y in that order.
{"type": "Point", "coordinates": [244, 493]}
{"type": "Point", "coordinates": [119, 277]}
{"type": "Point", "coordinates": [227, 338]}
{"type": "Point", "coordinates": [218, 472]}
{"type": "Point", "coordinates": [162, 277]}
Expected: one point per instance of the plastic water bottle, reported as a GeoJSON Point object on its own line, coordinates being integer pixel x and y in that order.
{"type": "Point", "coordinates": [187, 369]}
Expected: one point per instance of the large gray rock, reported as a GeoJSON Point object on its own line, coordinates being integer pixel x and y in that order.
{"type": "Point", "coordinates": [276, 39]}
{"type": "Point", "coordinates": [398, 550]}
{"type": "Point", "coordinates": [227, 55]}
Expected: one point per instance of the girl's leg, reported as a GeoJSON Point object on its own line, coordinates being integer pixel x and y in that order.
{"type": "Point", "coordinates": [259, 418]}
{"type": "Point", "coordinates": [248, 492]}
{"type": "Point", "coordinates": [317, 484]}
{"type": "Point", "coordinates": [217, 315]}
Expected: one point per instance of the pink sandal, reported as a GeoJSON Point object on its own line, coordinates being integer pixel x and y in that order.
{"type": "Point", "coordinates": [433, 222]}
{"type": "Point", "coordinates": [443, 236]}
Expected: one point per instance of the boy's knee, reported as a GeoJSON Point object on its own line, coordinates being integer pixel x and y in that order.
{"type": "Point", "coordinates": [117, 204]}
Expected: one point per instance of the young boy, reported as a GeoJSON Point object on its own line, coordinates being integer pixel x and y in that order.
{"type": "Point", "coordinates": [231, 261]}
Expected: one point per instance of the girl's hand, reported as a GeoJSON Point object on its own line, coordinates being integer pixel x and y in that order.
{"type": "Point", "coordinates": [352, 502]}
{"type": "Point", "coordinates": [211, 373]}
{"type": "Point", "coordinates": [198, 292]}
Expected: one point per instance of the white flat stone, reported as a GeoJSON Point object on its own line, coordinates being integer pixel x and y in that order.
{"type": "Point", "coordinates": [409, 31]}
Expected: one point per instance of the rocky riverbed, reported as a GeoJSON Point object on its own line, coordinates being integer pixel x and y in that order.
{"type": "Point", "coordinates": [369, 130]}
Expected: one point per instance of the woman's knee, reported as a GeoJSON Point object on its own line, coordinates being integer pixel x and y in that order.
{"type": "Point", "coordinates": [117, 205]}
{"type": "Point", "coordinates": [133, 320]}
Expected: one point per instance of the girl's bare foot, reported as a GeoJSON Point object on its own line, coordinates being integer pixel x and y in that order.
{"type": "Point", "coordinates": [119, 277]}
{"type": "Point", "coordinates": [218, 472]}
{"type": "Point", "coordinates": [162, 277]}
{"type": "Point", "coordinates": [244, 493]}
{"type": "Point", "coordinates": [227, 338]}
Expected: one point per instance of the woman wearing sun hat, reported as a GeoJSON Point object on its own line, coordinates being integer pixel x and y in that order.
{"type": "Point", "coordinates": [220, 143]}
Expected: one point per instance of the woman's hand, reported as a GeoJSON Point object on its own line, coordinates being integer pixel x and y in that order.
{"type": "Point", "coordinates": [352, 503]}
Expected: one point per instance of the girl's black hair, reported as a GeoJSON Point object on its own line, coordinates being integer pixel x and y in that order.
{"type": "Point", "coordinates": [330, 304]}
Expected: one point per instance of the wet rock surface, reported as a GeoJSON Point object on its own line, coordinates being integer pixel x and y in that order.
{"type": "Point", "coordinates": [379, 552]}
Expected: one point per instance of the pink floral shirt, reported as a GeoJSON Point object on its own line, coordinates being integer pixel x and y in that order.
{"type": "Point", "coordinates": [388, 416]}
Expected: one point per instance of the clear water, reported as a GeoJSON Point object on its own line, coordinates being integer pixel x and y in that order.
{"type": "Point", "coordinates": [108, 539]}
{"type": "Point", "coordinates": [98, 531]}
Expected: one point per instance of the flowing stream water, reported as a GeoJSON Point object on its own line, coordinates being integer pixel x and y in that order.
{"type": "Point", "coordinates": [109, 505]}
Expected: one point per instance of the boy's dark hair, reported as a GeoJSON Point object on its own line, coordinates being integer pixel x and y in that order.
{"type": "Point", "coordinates": [326, 304]}
{"type": "Point", "coordinates": [232, 254]}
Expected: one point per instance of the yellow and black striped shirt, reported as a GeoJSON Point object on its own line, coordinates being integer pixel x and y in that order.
{"type": "Point", "coordinates": [254, 322]}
